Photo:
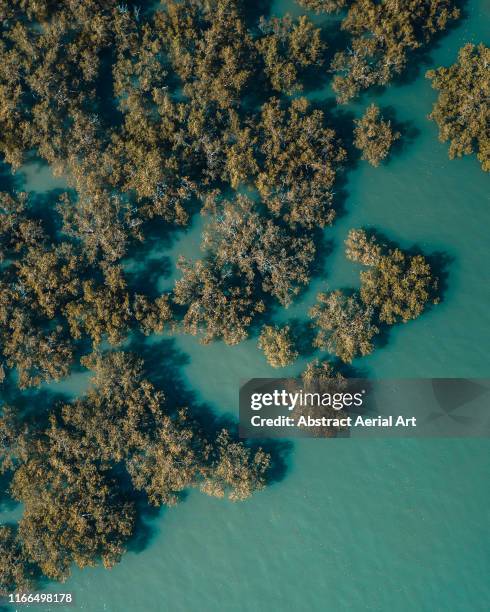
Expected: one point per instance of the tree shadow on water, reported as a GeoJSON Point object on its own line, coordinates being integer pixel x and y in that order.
{"type": "Point", "coordinates": [145, 526]}
{"type": "Point", "coordinates": [7, 503]}
{"type": "Point", "coordinates": [420, 59]}
{"type": "Point", "coordinates": [382, 338]}
{"type": "Point", "coordinates": [440, 263]}
{"type": "Point", "coordinates": [159, 235]}
{"type": "Point", "coordinates": [324, 248]}
{"type": "Point", "coordinates": [253, 11]}
{"type": "Point", "coordinates": [145, 279]}
{"type": "Point", "coordinates": [32, 405]}
{"type": "Point", "coordinates": [163, 366]}
{"type": "Point", "coordinates": [407, 129]}
{"type": "Point", "coordinates": [8, 180]}
{"type": "Point", "coordinates": [342, 121]}
{"type": "Point", "coordinates": [148, 262]}
{"type": "Point", "coordinates": [280, 451]}
{"type": "Point", "coordinates": [303, 335]}
{"type": "Point", "coordinates": [44, 207]}
{"type": "Point", "coordinates": [335, 39]}
{"type": "Point", "coordinates": [163, 363]}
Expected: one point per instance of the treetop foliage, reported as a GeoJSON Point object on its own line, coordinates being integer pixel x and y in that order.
{"type": "Point", "coordinates": [396, 287]}
{"type": "Point", "coordinates": [384, 33]}
{"type": "Point", "coordinates": [278, 345]}
{"type": "Point", "coordinates": [462, 110]}
{"type": "Point", "coordinates": [374, 136]}
{"type": "Point", "coordinates": [151, 116]}
{"type": "Point", "coordinates": [71, 475]}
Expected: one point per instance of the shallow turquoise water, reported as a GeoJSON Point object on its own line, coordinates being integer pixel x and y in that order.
{"type": "Point", "coordinates": [354, 524]}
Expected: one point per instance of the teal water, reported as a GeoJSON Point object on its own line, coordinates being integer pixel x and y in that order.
{"type": "Point", "coordinates": [354, 525]}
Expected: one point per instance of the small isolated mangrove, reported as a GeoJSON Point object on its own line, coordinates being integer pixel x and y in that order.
{"type": "Point", "coordinates": [374, 136]}
{"type": "Point", "coordinates": [277, 345]}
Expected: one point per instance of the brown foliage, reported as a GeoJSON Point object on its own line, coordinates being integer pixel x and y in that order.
{"type": "Point", "coordinates": [462, 110]}
{"type": "Point", "coordinates": [374, 136]}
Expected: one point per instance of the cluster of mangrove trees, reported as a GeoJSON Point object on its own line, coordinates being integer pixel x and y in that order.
{"type": "Point", "coordinates": [151, 116]}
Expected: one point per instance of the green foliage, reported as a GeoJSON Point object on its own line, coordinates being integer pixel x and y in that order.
{"type": "Point", "coordinates": [73, 512]}
{"type": "Point", "coordinates": [51, 275]}
{"type": "Point", "coordinates": [16, 230]}
{"type": "Point", "coordinates": [37, 355]}
{"type": "Point", "coordinates": [33, 280]}
{"type": "Point", "coordinates": [374, 136]}
{"type": "Point", "coordinates": [246, 254]}
{"type": "Point", "coordinates": [101, 309]}
{"type": "Point", "coordinates": [192, 84]}
{"type": "Point", "coordinates": [47, 73]}
{"type": "Point", "coordinates": [210, 48]}
{"type": "Point", "coordinates": [44, 299]}
{"type": "Point", "coordinates": [321, 377]}
{"type": "Point", "coordinates": [170, 462]}
{"type": "Point", "coordinates": [362, 248]}
{"type": "Point", "coordinates": [118, 412]}
{"type": "Point", "coordinates": [153, 317]}
{"type": "Point", "coordinates": [278, 346]}
{"type": "Point", "coordinates": [13, 439]}
{"type": "Point", "coordinates": [462, 110]}
{"type": "Point", "coordinates": [396, 287]}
